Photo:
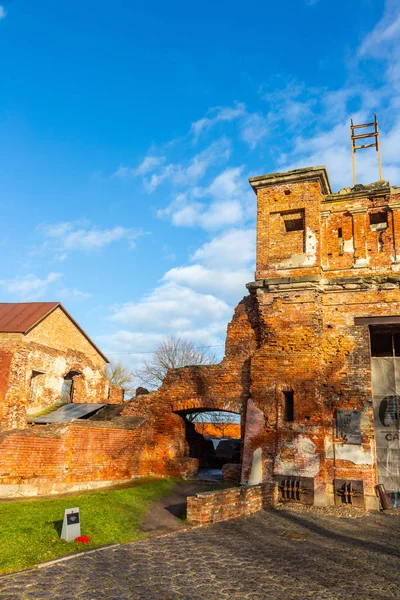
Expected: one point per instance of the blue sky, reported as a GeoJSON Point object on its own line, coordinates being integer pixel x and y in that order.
{"type": "Point", "coordinates": [128, 132]}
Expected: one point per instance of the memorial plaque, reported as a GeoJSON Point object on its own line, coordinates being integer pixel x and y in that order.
{"type": "Point", "coordinates": [72, 518]}
{"type": "Point", "coordinates": [348, 426]}
{"type": "Point", "coordinates": [71, 528]}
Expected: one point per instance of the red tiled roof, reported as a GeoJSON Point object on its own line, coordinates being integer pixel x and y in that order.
{"type": "Point", "coordinates": [20, 317]}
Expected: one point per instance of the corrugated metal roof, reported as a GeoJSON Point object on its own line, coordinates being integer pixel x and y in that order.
{"type": "Point", "coordinates": [68, 412]}
{"type": "Point", "coordinates": [20, 317]}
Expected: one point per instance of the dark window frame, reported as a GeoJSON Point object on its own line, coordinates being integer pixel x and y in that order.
{"type": "Point", "coordinates": [288, 406]}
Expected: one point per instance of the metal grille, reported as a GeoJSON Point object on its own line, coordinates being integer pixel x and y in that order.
{"type": "Point", "coordinates": [350, 491]}
{"type": "Point", "coordinates": [296, 489]}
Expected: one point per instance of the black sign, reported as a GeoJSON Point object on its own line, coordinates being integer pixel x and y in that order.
{"type": "Point", "coordinates": [72, 518]}
{"type": "Point", "coordinates": [348, 426]}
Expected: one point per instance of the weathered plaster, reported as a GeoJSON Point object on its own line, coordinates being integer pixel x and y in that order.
{"type": "Point", "coordinates": [357, 455]}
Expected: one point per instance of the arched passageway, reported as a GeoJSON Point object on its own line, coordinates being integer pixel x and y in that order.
{"type": "Point", "coordinates": [214, 438]}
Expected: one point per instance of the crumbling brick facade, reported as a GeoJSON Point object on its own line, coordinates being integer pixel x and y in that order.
{"type": "Point", "coordinates": [312, 359]}
{"type": "Point", "coordinates": [298, 351]}
{"type": "Point", "coordinates": [323, 261]}
{"type": "Point", "coordinates": [51, 360]}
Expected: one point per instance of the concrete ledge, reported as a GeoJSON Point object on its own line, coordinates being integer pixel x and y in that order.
{"type": "Point", "coordinates": [54, 561]}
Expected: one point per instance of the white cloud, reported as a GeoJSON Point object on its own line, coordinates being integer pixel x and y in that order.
{"type": "Point", "coordinates": [218, 114]}
{"type": "Point", "coordinates": [172, 308]}
{"type": "Point", "coordinates": [148, 164]}
{"type": "Point", "coordinates": [194, 170]}
{"type": "Point", "coordinates": [137, 342]}
{"type": "Point", "coordinates": [254, 128]}
{"type": "Point", "coordinates": [233, 248]}
{"type": "Point", "coordinates": [228, 285]}
{"type": "Point", "coordinates": [30, 287]}
{"type": "Point", "coordinates": [72, 293]}
{"type": "Point", "coordinates": [383, 43]}
{"type": "Point", "coordinates": [3, 12]}
{"type": "Point", "coordinates": [76, 235]}
{"type": "Point", "coordinates": [227, 197]}
{"type": "Point", "coordinates": [386, 31]}
{"type": "Point", "coordinates": [192, 301]}
{"type": "Point", "coordinates": [222, 266]}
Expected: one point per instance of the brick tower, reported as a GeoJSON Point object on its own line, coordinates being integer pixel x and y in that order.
{"type": "Point", "coordinates": [323, 418]}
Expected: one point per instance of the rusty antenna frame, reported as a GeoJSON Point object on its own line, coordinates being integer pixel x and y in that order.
{"type": "Point", "coordinates": [375, 144]}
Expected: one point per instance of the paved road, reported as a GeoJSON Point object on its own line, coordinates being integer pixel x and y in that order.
{"type": "Point", "coordinates": [271, 555]}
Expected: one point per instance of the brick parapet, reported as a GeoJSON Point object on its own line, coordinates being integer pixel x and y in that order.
{"type": "Point", "coordinates": [231, 503]}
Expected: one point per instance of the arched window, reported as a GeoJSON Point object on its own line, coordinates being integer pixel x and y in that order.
{"type": "Point", "coordinates": [67, 392]}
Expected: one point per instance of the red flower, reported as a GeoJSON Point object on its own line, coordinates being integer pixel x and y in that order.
{"type": "Point", "coordinates": [82, 539]}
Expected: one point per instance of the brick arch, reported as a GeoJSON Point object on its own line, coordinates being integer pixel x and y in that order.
{"type": "Point", "coordinates": [74, 369]}
{"type": "Point", "coordinates": [76, 393]}
{"type": "Point", "coordinates": [205, 387]}
{"type": "Point", "coordinates": [207, 405]}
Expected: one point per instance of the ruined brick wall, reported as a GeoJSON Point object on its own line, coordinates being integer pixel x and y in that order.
{"type": "Point", "coordinates": [57, 331]}
{"type": "Point", "coordinates": [28, 358]}
{"type": "Point", "coordinates": [288, 227]}
{"type": "Point", "coordinates": [310, 345]}
{"type": "Point", "coordinates": [361, 230]}
{"type": "Point", "coordinates": [323, 260]}
{"type": "Point", "coordinates": [223, 505]}
{"type": "Point", "coordinates": [53, 350]}
{"type": "Point", "coordinates": [40, 360]}
{"type": "Point", "coordinates": [224, 386]}
{"type": "Point", "coordinates": [82, 455]}
{"type": "Point", "coordinates": [5, 373]}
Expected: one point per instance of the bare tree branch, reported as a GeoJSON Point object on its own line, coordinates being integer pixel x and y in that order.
{"type": "Point", "coordinates": [119, 374]}
{"type": "Point", "coordinates": [171, 353]}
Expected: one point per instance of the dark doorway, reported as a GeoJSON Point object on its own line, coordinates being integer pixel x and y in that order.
{"type": "Point", "coordinates": [214, 439]}
{"type": "Point", "coordinates": [67, 391]}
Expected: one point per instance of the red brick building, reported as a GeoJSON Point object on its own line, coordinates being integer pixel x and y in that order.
{"type": "Point", "coordinates": [46, 358]}
{"type": "Point", "coordinates": [312, 361]}
{"type": "Point", "coordinates": [324, 409]}
{"type": "Point", "coordinates": [312, 354]}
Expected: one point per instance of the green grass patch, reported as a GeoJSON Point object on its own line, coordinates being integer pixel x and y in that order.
{"type": "Point", "coordinates": [30, 530]}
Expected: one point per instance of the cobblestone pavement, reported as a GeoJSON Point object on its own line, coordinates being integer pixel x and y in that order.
{"type": "Point", "coordinates": [270, 555]}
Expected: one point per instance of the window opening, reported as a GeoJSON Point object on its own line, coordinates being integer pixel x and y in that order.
{"type": "Point", "coordinates": [296, 224]}
{"type": "Point", "coordinates": [340, 241]}
{"type": "Point", "coordinates": [288, 406]}
{"type": "Point", "coordinates": [378, 220]}
{"type": "Point", "coordinates": [36, 385]}
{"type": "Point", "coordinates": [67, 391]}
{"type": "Point", "coordinates": [381, 344]}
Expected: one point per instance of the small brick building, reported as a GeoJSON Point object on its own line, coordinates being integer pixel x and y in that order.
{"type": "Point", "coordinates": [45, 358]}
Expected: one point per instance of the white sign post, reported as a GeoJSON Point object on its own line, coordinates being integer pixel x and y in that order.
{"type": "Point", "coordinates": [71, 528]}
